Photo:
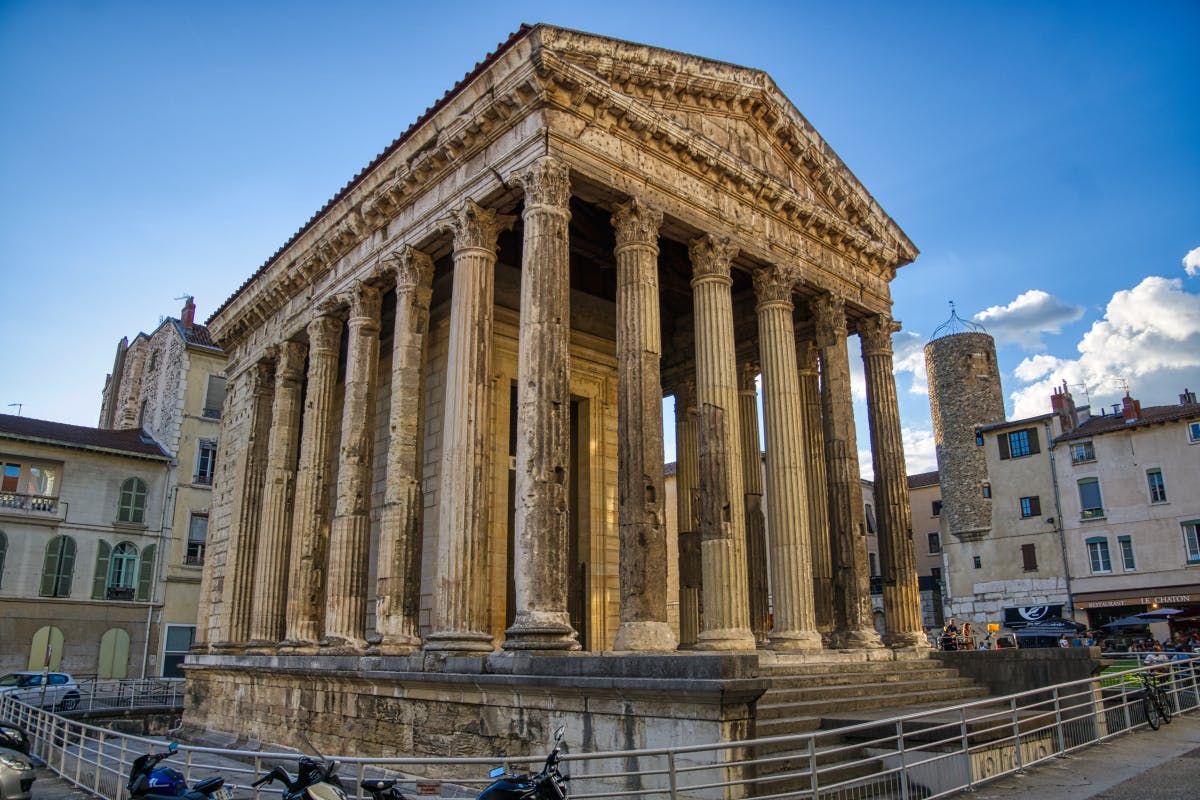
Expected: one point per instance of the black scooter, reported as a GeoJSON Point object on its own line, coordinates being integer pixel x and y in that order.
{"type": "Point", "coordinates": [549, 784]}
{"type": "Point", "coordinates": [315, 780]}
{"type": "Point", "coordinates": [148, 781]}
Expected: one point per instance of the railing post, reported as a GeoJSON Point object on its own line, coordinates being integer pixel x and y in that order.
{"type": "Point", "coordinates": [813, 783]}
{"type": "Point", "coordinates": [1016, 725]}
{"type": "Point", "coordinates": [1125, 703]}
{"type": "Point", "coordinates": [99, 756]}
{"type": "Point", "coordinates": [1058, 723]}
{"type": "Point", "coordinates": [966, 746]}
{"type": "Point", "coordinates": [903, 766]}
{"type": "Point", "coordinates": [672, 776]}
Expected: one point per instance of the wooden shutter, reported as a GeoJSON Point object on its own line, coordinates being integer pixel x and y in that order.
{"type": "Point", "coordinates": [1034, 447]}
{"type": "Point", "coordinates": [66, 568]}
{"type": "Point", "coordinates": [146, 572]}
{"type": "Point", "coordinates": [50, 567]}
{"type": "Point", "coordinates": [100, 579]}
{"type": "Point", "coordinates": [1002, 441]}
{"type": "Point", "coordinates": [1029, 557]}
{"type": "Point", "coordinates": [1035, 506]}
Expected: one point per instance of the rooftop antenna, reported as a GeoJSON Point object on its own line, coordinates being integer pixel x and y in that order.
{"type": "Point", "coordinates": [1119, 381]}
{"type": "Point", "coordinates": [184, 296]}
{"type": "Point", "coordinates": [1083, 387]}
{"type": "Point", "coordinates": [19, 407]}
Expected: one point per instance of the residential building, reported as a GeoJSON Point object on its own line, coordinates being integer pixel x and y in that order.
{"type": "Point", "coordinates": [1129, 480]}
{"type": "Point", "coordinates": [82, 540]}
{"type": "Point", "coordinates": [171, 384]}
{"type": "Point", "coordinates": [925, 503]}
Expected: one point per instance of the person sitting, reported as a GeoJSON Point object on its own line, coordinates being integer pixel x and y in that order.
{"type": "Point", "coordinates": [950, 635]}
{"type": "Point", "coordinates": [1155, 656]}
{"type": "Point", "coordinates": [968, 637]}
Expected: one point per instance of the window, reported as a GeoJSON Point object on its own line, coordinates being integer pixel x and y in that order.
{"type": "Point", "coordinates": [132, 505]}
{"type": "Point", "coordinates": [29, 487]}
{"type": "Point", "coordinates": [1191, 540]}
{"type": "Point", "coordinates": [1031, 507]}
{"type": "Point", "coordinates": [1017, 444]}
{"type": "Point", "coordinates": [214, 397]}
{"type": "Point", "coordinates": [1194, 432]}
{"type": "Point", "coordinates": [1029, 557]}
{"type": "Point", "coordinates": [987, 489]}
{"type": "Point", "coordinates": [178, 641]}
{"type": "Point", "coordinates": [10, 478]}
{"type": "Point", "coordinates": [122, 572]}
{"type": "Point", "coordinates": [978, 438]}
{"type": "Point", "coordinates": [874, 564]}
{"type": "Point", "coordinates": [1089, 499]}
{"type": "Point", "coordinates": [206, 458]}
{"type": "Point", "coordinates": [870, 515]}
{"type": "Point", "coordinates": [58, 567]}
{"type": "Point", "coordinates": [197, 536]}
{"type": "Point", "coordinates": [1158, 489]}
{"type": "Point", "coordinates": [1098, 554]}
{"type": "Point", "coordinates": [937, 508]}
{"type": "Point", "coordinates": [936, 574]}
{"type": "Point", "coordinates": [935, 543]}
{"type": "Point", "coordinates": [977, 562]}
{"type": "Point", "coordinates": [1082, 452]}
{"type": "Point", "coordinates": [1127, 561]}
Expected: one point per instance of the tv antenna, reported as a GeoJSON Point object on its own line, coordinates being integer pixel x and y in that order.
{"type": "Point", "coordinates": [19, 407]}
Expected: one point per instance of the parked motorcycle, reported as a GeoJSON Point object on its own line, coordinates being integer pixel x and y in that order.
{"type": "Point", "coordinates": [315, 780]}
{"type": "Point", "coordinates": [148, 781]}
{"type": "Point", "coordinates": [381, 789]}
{"type": "Point", "coordinates": [549, 784]}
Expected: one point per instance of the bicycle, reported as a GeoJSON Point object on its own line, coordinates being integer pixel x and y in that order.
{"type": "Point", "coordinates": [1155, 703]}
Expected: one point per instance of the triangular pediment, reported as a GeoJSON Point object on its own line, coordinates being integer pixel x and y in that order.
{"type": "Point", "coordinates": [737, 110]}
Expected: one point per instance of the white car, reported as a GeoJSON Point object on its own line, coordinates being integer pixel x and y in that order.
{"type": "Point", "coordinates": [54, 690]}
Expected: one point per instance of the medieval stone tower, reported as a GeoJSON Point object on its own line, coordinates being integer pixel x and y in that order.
{"type": "Point", "coordinates": [964, 393]}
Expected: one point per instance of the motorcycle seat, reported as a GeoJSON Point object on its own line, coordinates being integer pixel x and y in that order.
{"type": "Point", "coordinates": [378, 784]}
{"type": "Point", "coordinates": [208, 785]}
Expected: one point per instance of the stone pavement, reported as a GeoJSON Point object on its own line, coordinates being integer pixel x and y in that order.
{"type": "Point", "coordinates": [1147, 765]}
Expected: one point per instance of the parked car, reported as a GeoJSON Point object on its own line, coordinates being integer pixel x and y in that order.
{"type": "Point", "coordinates": [13, 737]}
{"type": "Point", "coordinates": [17, 772]}
{"type": "Point", "coordinates": [55, 690]}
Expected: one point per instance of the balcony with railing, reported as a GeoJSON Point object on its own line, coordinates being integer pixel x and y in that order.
{"type": "Point", "coordinates": [37, 504]}
{"type": "Point", "coordinates": [211, 413]}
{"type": "Point", "coordinates": [1092, 513]}
{"type": "Point", "coordinates": [119, 593]}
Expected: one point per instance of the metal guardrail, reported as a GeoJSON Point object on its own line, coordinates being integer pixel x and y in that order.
{"type": "Point", "coordinates": [112, 695]}
{"type": "Point", "coordinates": [933, 754]}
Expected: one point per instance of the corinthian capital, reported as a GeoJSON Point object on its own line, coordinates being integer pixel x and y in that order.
{"type": "Point", "coordinates": [413, 268]}
{"type": "Point", "coordinates": [476, 227]}
{"type": "Point", "coordinates": [364, 300]}
{"type": "Point", "coordinates": [636, 223]}
{"type": "Point", "coordinates": [774, 284]}
{"type": "Point", "coordinates": [546, 183]}
{"type": "Point", "coordinates": [289, 361]}
{"type": "Point", "coordinates": [323, 333]}
{"type": "Point", "coordinates": [829, 316]}
{"type": "Point", "coordinates": [262, 376]}
{"type": "Point", "coordinates": [876, 334]}
{"type": "Point", "coordinates": [711, 256]}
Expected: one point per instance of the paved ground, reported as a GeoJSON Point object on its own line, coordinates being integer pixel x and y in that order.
{"type": "Point", "coordinates": [1147, 765]}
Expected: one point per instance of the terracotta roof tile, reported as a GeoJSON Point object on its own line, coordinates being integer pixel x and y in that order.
{"type": "Point", "coordinates": [1151, 415]}
{"type": "Point", "coordinates": [127, 440]}
{"type": "Point", "coordinates": [923, 479]}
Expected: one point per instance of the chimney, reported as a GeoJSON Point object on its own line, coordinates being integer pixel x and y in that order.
{"type": "Point", "coordinates": [1063, 406]}
{"type": "Point", "coordinates": [1131, 409]}
{"type": "Point", "coordinates": [188, 315]}
{"type": "Point", "coordinates": [1187, 398]}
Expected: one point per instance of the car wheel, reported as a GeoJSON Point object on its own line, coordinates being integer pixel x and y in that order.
{"type": "Point", "coordinates": [70, 702]}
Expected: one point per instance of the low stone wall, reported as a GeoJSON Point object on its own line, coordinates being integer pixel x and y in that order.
{"type": "Point", "coordinates": [1012, 670]}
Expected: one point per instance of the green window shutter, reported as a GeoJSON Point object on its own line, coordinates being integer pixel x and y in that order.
{"type": "Point", "coordinates": [146, 573]}
{"type": "Point", "coordinates": [100, 580]}
{"type": "Point", "coordinates": [66, 568]}
{"type": "Point", "coordinates": [1002, 441]}
{"type": "Point", "coordinates": [50, 567]}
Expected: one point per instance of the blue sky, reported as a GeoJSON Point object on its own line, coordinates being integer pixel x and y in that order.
{"type": "Point", "coordinates": [1044, 157]}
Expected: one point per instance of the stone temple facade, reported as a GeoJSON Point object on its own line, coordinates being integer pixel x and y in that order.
{"type": "Point", "coordinates": [438, 523]}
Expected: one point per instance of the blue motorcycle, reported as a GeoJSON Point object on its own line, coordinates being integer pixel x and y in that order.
{"type": "Point", "coordinates": [149, 781]}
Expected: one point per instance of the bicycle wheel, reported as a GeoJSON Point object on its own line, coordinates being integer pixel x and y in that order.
{"type": "Point", "coordinates": [1151, 710]}
{"type": "Point", "coordinates": [1164, 705]}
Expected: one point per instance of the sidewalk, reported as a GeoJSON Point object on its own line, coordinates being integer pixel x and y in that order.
{"type": "Point", "coordinates": [1147, 765]}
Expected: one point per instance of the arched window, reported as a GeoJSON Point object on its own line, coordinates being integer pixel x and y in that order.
{"type": "Point", "coordinates": [48, 641]}
{"type": "Point", "coordinates": [122, 566]}
{"type": "Point", "coordinates": [114, 654]}
{"type": "Point", "coordinates": [132, 506]}
{"type": "Point", "coordinates": [3, 551]}
{"type": "Point", "coordinates": [58, 567]}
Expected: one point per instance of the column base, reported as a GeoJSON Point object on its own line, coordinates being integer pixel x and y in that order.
{"type": "Point", "coordinates": [459, 642]}
{"type": "Point", "coordinates": [541, 630]}
{"type": "Point", "coordinates": [725, 639]}
{"type": "Point", "coordinates": [297, 647]}
{"type": "Point", "coordinates": [906, 639]}
{"type": "Point", "coordinates": [796, 640]}
{"type": "Point", "coordinates": [227, 647]}
{"type": "Point", "coordinates": [857, 640]}
{"type": "Point", "coordinates": [648, 637]}
{"type": "Point", "coordinates": [342, 646]}
{"type": "Point", "coordinates": [261, 647]}
{"type": "Point", "coordinates": [398, 644]}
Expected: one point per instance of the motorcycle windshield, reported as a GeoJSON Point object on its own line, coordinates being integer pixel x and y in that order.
{"type": "Point", "coordinates": [325, 791]}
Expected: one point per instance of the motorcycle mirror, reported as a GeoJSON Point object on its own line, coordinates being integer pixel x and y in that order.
{"type": "Point", "coordinates": [173, 746]}
{"type": "Point", "coordinates": [558, 734]}
{"type": "Point", "coordinates": [496, 773]}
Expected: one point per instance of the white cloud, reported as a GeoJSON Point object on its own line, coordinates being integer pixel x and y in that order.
{"type": "Point", "coordinates": [1149, 337]}
{"type": "Point", "coordinates": [1191, 262]}
{"type": "Point", "coordinates": [908, 355]}
{"type": "Point", "coordinates": [1026, 318]}
{"type": "Point", "coordinates": [920, 453]}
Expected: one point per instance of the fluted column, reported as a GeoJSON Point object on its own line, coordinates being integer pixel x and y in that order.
{"type": "Point", "coordinates": [686, 484]}
{"type": "Point", "coordinates": [726, 618]}
{"type": "Point", "coordinates": [459, 616]}
{"type": "Point", "coordinates": [310, 517]}
{"type": "Point", "coordinates": [397, 593]}
{"type": "Point", "coordinates": [275, 528]}
{"type": "Point", "coordinates": [541, 576]}
{"type": "Point", "coordinates": [641, 518]}
{"type": "Point", "coordinates": [248, 478]}
{"type": "Point", "coordinates": [757, 583]}
{"type": "Point", "coordinates": [816, 489]}
{"type": "Point", "coordinates": [848, 535]}
{"type": "Point", "coordinates": [901, 595]}
{"type": "Point", "coordinates": [795, 625]}
{"type": "Point", "coordinates": [350, 533]}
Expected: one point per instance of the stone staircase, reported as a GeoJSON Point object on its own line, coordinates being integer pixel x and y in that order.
{"type": "Point", "coordinates": [819, 696]}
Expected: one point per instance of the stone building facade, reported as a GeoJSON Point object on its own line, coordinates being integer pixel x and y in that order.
{"type": "Point", "coordinates": [171, 384]}
{"type": "Point", "coordinates": [441, 488]}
